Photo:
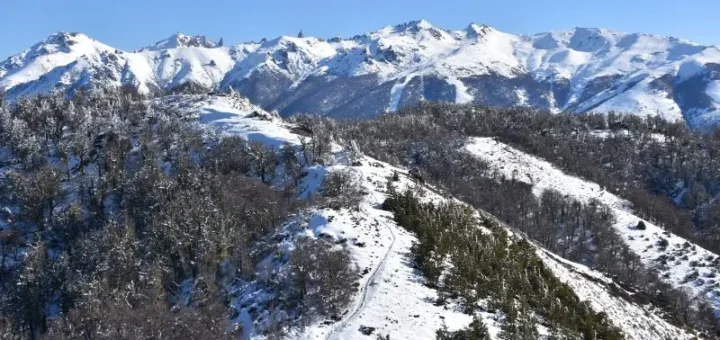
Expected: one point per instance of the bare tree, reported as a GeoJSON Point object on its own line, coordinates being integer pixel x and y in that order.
{"type": "Point", "coordinates": [342, 188]}
{"type": "Point", "coordinates": [322, 276]}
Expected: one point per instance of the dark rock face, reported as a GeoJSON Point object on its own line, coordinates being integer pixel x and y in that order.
{"type": "Point", "coordinates": [664, 84]}
{"type": "Point", "coordinates": [366, 105]}
{"type": "Point", "coordinates": [561, 91]}
{"type": "Point", "coordinates": [691, 95]}
{"type": "Point", "coordinates": [496, 90]}
{"type": "Point", "coordinates": [492, 90]}
{"type": "Point", "coordinates": [320, 95]}
{"type": "Point", "coordinates": [340, 97]}
{"type": "Point", "coordinates": [426, 88]}
{"type": "Point", "coordinates": [438, 90]}
{"type": "Point", "coordinates": [263, 87]}
{"type": "Point", "coordinates": [596, 86]}
{"type": "Point", "coordinates": [366, 96]}
{"type": "Point", "coordinates": [412, 93]}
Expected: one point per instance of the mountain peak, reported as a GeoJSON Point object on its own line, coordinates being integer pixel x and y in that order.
{"type": "Point", "coordinates": [182, 40]}
{"type": "Point", "coordinates": [65, 39]}
{"type": "Point", "coordinates": [415, 25]}
{"type": "Point", "coordinates": [421, 24]}
{"type": "Point", "coordinates": [476, 30]}
{"type": "Point", "coordinates": [62, 42]}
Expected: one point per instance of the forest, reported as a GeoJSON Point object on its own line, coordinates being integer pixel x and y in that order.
{"type": "Point", "coordinates": [122, 220]}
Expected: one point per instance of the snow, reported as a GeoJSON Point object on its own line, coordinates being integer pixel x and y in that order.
{"type": "Point", "coordinates": [161, 68]}
{"type": "Point", "coordinates": [523, 97]}
{"type": "Point", "coordinates": [234, 115]}
{"type": "Point", "coordinates": [641, 100]}
{"type": "Point", "coordinates": [461, 92]}
{"type": "Point", "coordinates": [693, 66]}
{"type": "Point", "coordinates": [591, 287]}
{"type": "Point", "coordinates": [713, 90]}
{"type": "Point", "coordinates": [393, 298]}
{"type": "Point", "coordinates": [58, 50]}
{"type": "Point", "coordinates": [170, 68]}
{"type": "Point", "coordinates": [392, 53]}
{"type": "Point", "coordinates": [544, 176]}
{"type": "Point", "coordinates": [396, 93]}
{"type": "Point", "coordinates": [181, 40]}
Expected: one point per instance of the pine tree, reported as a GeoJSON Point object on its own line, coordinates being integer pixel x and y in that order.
{"type": "Point", "coordinates": [301, 34]}
{"type": "Point", "coordinates": [221, 43]}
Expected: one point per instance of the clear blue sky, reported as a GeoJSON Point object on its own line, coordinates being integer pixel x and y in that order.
{"type": "Point", "coordinates": [132, 24]}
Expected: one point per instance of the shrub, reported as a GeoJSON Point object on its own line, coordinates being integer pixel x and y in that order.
{"type": "Point", "coordinates": [641, 225]}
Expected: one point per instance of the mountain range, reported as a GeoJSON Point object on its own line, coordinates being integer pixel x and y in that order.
{"type": "Point", "coordinates": [576, 70]}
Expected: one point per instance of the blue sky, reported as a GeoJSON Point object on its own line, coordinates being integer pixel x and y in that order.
{"type": "Point", "coordinates": [132, 24]}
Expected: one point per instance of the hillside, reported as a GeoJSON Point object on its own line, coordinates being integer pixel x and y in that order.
{"type": "Point", "coordinates": [206, 217]}
{"type": "Point", "coordinates": [392, 299]}
{"type": "Point", "coordinates": [692, 267]}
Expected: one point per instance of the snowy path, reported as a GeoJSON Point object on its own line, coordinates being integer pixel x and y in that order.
{"type": "Point", "coordinates": [393, 299]}
{"type": "Point", "coordinates": [372, 281]}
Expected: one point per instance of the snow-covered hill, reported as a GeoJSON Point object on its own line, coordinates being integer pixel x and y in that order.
{"type": "Point", "coordinates": [680, 262]}
{"type": "Point", "coordinates": [580, 69]}
{"type": "Point", "coordinates": [392, 299]}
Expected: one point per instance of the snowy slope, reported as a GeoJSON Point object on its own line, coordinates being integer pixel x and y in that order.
{"type": "Point", "coordinates": [637, 322]}
{"type": "Point", "coordinates": [681, 263]}
{"type": "Point", "coordinates": [391, 297]}
{"type": "Point", "coordinates": [580, 69]}
{"type": "Point", "coordinates": [232, 115]}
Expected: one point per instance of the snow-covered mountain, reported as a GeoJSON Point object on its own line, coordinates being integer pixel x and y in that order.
{"type": "Point", "coordinates": [578, 70]}
{"type": "Point", "coordinates": [73, 60]}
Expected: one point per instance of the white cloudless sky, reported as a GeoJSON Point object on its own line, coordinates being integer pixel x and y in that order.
{"type": "Point", "coordinates": [132, 24]}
